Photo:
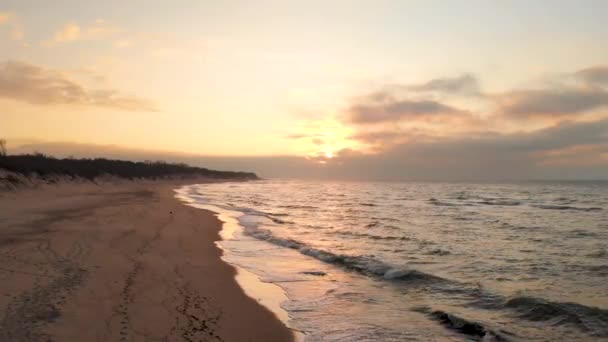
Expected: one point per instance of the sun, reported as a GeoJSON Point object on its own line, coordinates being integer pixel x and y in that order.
{"type": "Point", "coordinates": [323, 139]}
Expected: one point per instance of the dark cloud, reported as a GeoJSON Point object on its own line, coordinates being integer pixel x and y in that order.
{"type": "Point", "coordinates": [559, 136]}
{"type": "Point", "coordinates": [465, 84]}
{"type": "Point", "coordinates": [32, 84]}
{"type": "Point", "coordinates": [380, 137]}
{"type": "Point", "coordinates": [487, 157]}
{"type": "Point", "coordinates": [396, 110]}
{"type": "Point", "coordinates": [558, 100]}
{"type": "Point", "coordinates": [379, 141]}
{"type": "Point", "coordinates": [398, 102]}
{"type": "Point", "coordinates": [595, 75]}
{"type": "Point", "coordinates": [551, 102]}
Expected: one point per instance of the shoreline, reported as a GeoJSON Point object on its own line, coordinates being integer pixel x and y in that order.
{"type": "Point", "coordinates": [126, 261]}
{"type": "Point", "coordinates": [269, 294]}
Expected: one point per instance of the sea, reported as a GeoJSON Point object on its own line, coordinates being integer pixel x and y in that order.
{"type": "Point", "coordinates": [418, 261]}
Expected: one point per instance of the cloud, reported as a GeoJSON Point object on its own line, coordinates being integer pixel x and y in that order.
{"type": "Point", "coordinates": [15, 30]}
{"type": "Point", "coordinates": [123, 43]}
{"type": "Point", "coordinates": [597, 75]}
{"type": "Point", "coordinates": [415, 133]}
{"type": "Point", "coordinates": [577, 93]}
{"type": "Point", "coordinates": [559, 136]}
{"type": "Point", "coordinates": [5, 17]}
{"type": "Point", "coordinates": [465, 84]}
{"type": "Point", "coordinates": [551, 102]}
{"type": "Point", "coordinates": [69, 32]}
{"type": "Point", "coordinates": [35, 85]}
{"type": "Point", "coordinates": [402, 114]}
{"type": "Point", "coordinates": [16, 33]}
{"type": "Point", "coordinates": [580, 92]}
{"type": "Point", "coordinates": [317, 141]}
{"type": "Point", "coordinates": [395, 110]}
{"type": "Point", "coordinates": [468, 145]}
{"type": "Point", "coordinates": [583, 154]}
{"type": "Point", "coordinates": [72, 32]}
{"type": "Point", "coordinates": [568, 148]}
{"type": "Point", "coordinates": [383, 138]}
{"type": "Point", "coordinates": [415, 102]}
{"type": "Point", "coordinates": [492, 156]}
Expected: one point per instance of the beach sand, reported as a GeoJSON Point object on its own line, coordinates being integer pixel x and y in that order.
{"type": "Point", "coordinates": [119, 262]}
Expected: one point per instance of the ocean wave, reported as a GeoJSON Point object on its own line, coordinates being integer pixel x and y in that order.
{"type": "Point", "coordinates": [279, 221]}
{"type": "Point", "coordinates": [598, 254]}
{"type": "Point", "coordinates": [587, 318]}
{"type": "Point", "coordinates": [362, 264]}
{"type": "Point", "coordinates": [410, 274]}
{"type": "Point", "coordinates": [579, 233]}
{"type": "Point", "coordinates": [565, 207]}
{"type": "Point", "coordinates": [464, 195]}
{"type": "Point", "coordinates": [277, 214]}
{"type": "Point", "coordinates": [476, 200]}
{"type": "Point", "coordinates": [372, 236]}
{"type": "Point", "coordinates": [590, 319]}
{"type": "Point", "coordinates": [438, 251]}
{"type": "Point", "coordinates": [293, 206]}
{"type": "Point", "coordinates": [499, 202]}
{"type": "Point", "coordinates": [474, 331]}
{"type": "Point", "coordinates": [437, 202]}
{"type": "Point", "coordinates": [274, 217]}
{"type": "Point", "coordinates": [601, 270]}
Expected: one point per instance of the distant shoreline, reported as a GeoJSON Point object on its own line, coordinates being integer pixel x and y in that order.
{"type": "Point", "coordinates": [119, 260]}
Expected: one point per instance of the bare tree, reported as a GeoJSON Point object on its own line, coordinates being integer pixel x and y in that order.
{"type": "Point", "coordinates": [2, 147]}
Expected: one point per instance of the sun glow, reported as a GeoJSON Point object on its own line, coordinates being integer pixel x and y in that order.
{"type": "Point", "coordinates": [323, 139]}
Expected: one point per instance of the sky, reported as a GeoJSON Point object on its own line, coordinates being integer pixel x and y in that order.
{"type": "Point", "coordinates": [326, 89]}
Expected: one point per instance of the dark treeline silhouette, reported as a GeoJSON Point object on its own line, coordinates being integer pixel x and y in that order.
{"type": "Point", "coordinates": [45, 166]}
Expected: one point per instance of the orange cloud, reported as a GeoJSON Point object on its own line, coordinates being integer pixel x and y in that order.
{"type": "Point", "coordinates": [72, 32]}
{"type": "Point", "coordinates": [5, 17]}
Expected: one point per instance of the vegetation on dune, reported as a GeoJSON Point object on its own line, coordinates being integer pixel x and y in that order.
{"type": "Point", "coordinates": [45, 166]}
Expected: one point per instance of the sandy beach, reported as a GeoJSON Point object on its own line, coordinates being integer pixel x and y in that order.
{"type": "Point", "coordinates": [119, 262]}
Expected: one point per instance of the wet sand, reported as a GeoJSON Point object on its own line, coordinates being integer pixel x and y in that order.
{"type": "Point", "coordinates": [119, 262]}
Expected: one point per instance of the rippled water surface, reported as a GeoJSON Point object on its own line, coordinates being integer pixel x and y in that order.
{"type": "Point", "coordinates": [426, 261]}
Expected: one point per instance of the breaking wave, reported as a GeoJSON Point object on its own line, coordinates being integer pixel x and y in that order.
{"type": "Point", "coordinates": [590, 319]}
{"type": "Point", "coordinates": [474, 331]}
{"type": "Point", "coordinates": [362, 264]}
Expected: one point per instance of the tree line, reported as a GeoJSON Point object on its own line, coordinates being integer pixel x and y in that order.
{"type": "Point", "coordinates": [91, 168]}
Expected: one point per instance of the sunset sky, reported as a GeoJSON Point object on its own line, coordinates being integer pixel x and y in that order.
{"type": "Point", "coordinates": [395, 89]}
